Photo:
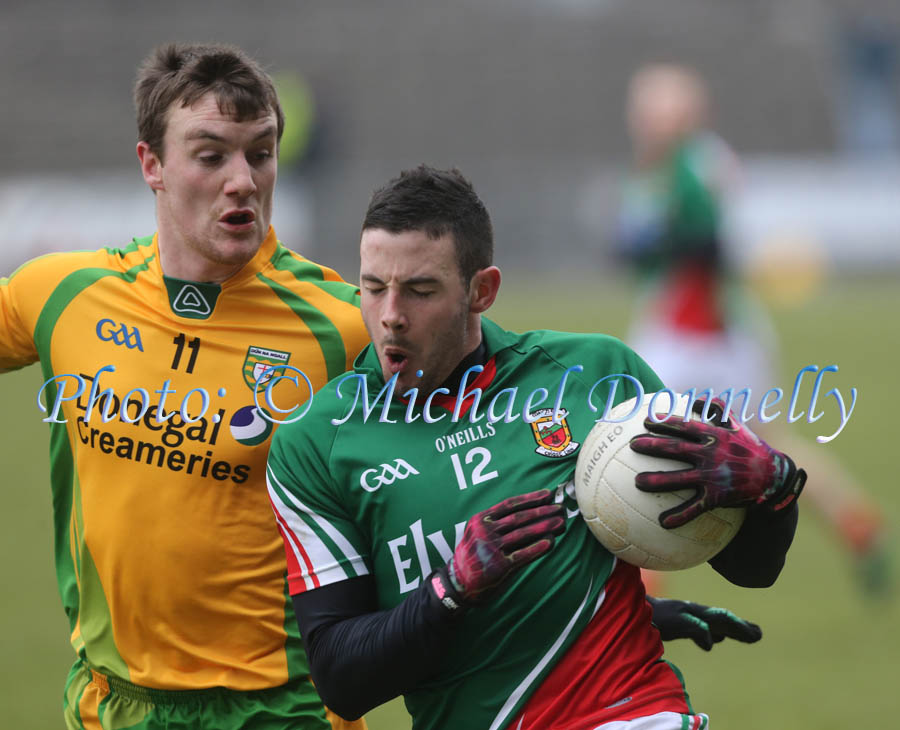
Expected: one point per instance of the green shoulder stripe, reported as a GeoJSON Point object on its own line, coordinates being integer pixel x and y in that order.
{"type": "Point", "coordinates": [327, 335]}
{"type": "Point", "coordinates": [135, 244]}
{"type": "Point", "coordinates": [62, 479]}
{"type": "Point", "coordinates": [307, 271]}
{"type": "Point", "coordinates": [69, 288]}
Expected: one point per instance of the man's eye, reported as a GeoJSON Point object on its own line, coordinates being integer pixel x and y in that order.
{"type": "Point", "coordinates": [263, 155]}
{"type": "Point", "coordinates": [422, 294]}
{"type": "Point", "coordinates": [210, 159]}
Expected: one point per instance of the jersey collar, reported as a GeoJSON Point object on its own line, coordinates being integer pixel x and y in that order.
{"type": "Point", "coordinates": [197, 300]}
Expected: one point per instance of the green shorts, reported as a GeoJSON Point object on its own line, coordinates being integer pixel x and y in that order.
{"type": "Point", "coordinates": [93, 701]}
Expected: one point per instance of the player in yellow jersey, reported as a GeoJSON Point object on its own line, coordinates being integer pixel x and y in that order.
{"type": "Point", "coordinates": [170, 568]}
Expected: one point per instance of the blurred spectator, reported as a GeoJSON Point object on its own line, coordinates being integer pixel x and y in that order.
{"type": "Point", "coordinates": [695, 323]}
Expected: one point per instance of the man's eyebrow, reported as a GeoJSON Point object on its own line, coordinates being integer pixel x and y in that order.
{"type": "Point", "coordinates": [413, 281]}
{"type": "Point", "coordinates": [269, 131]}
{"type": "Point", "coordinates": [205, 134]}
{"type": "Point", "coordinates": [202, 133]}
{"type": "Point", "coordinates": [420, 280]}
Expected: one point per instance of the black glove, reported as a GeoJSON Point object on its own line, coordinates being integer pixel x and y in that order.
{"type": "Point", "coordinates": [705, 625]}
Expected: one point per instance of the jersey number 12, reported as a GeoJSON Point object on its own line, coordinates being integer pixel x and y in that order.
{"type": "Point", "coordinates": [478, 473]}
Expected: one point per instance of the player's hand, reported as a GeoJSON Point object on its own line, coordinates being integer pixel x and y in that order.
{"type": "Point", "coordinates": [502, 539]}
{"type": "Point", "coordinates": [730, 466]}
{"type": "Point", "coordinates": [704, 625]}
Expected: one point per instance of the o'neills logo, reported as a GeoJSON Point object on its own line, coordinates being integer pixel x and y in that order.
{"type": "Point", "coordinates": [553, 437]}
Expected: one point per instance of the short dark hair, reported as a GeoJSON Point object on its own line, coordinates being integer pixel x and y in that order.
{"type": "Point", "coordinates": [437, 202]}
{"type": "Point", "coordinates": [185, 72]}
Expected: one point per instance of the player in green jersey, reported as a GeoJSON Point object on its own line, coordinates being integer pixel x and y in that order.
{"type": "Point", "coordinates": [426, 499]}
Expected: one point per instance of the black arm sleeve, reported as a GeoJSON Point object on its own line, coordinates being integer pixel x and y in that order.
{"type": "Point", "coordinates": [360, 657]}
{"type": "Point", "coordinates": [755, 556]}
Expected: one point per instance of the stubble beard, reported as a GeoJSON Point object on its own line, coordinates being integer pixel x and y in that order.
{"type": "Point", "coordinates": [449, 350]}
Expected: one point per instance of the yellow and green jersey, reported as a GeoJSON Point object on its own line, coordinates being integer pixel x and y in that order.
{"type": "Point", "coordinates": [169, 563]}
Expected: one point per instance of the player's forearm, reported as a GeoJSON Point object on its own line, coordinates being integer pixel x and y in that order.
{"type": "Point", "coordinates": [360, 657]}
{"type": "Point", "coordinates": [755, 557]}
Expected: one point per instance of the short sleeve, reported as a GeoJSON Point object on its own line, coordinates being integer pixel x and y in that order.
{"type": "Point", "coordinates": [322, 543]}
{"type": "Point", "coordinates": [18, 307]}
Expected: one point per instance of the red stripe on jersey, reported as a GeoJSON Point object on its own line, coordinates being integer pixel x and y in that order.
{"type": "Point", "coordinates": [484, 379]}
{"type": "Point", "coordinates": [296, 583]}
{"type": "Point", "coordinates": [292, 546]}
{"type": "Point", "coordinates": [614, 671]}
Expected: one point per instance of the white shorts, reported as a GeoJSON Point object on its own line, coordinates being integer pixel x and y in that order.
{"type": "Point", "coordinates": [659, 721]}
{"type": "Point", "coordinates": [720, 360]}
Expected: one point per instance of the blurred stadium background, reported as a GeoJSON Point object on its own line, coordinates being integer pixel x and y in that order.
{"type": "Point", "coordinates": [526, 97]}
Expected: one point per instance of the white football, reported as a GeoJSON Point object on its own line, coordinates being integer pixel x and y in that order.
{"type": "Point", "coordinates": [626, 520]}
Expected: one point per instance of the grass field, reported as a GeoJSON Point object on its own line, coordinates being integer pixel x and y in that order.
{"type": "Point", "coordinates": [830, 657]}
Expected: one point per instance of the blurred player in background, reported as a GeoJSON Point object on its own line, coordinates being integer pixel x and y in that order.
{"type": "Point", "coordinates": [695, 323]}
{"type": "Point", "coordinates": [170, 568]}
{"type": "Point", "coordinates": [439, 554]}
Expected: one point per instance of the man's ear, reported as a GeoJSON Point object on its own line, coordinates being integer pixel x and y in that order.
{"type": "Point", "coordinates": [151, 166]}
{"type": "Point", "coordinates": [483, 289]}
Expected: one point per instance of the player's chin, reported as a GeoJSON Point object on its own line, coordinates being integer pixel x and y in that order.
{"type": "Point", "coordinates": [252, 230]}
{"type": "Point", "coordinates": [401, 385]}
{"type": "Point", "coordinates": [238, 248]}
{"type": "Point", "coordinates": [407, 380]}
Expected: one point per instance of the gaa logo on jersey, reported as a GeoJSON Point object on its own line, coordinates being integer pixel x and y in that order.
{"type": "Point", "coordinates": [249, 426]}
{"type": "Point", "coordinates": [554, 439]}
{"type": "Point", "coordinates": [386, 474]}
{"type": "Point", "coordinates": [119, 334]}
{"type": "Point", "coordinates": [260, 359]}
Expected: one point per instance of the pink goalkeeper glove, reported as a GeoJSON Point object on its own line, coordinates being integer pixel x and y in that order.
{"type": "Point", "coordinates": [496, 543]}
{"type": "Point", "coordinates": [730, 466]}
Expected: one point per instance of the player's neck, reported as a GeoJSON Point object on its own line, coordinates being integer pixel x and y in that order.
{"type": "Point", "coordinates": [177, 261]}
{"type": "Point", "coordinates": [478, 356]}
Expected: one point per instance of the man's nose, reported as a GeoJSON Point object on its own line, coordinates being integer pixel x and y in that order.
{"type": "Point", "coordinates": [240, 178]}
{"type": "Point", "coordinates": [393, 314]}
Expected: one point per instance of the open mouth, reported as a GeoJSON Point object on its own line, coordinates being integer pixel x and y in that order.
{"type": "Point", "coordinates": [396, 360]}
{"type": "Point", "coordinates": [239, 218]}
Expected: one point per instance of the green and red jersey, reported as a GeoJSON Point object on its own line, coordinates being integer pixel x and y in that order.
{"type": "Point", "coordinates": [365, 484]}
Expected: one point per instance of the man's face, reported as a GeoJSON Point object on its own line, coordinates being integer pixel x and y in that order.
{"type": "Point", "coordinates": [415, 306]}
{"type": "Point", "coordinates": [214, 188]}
